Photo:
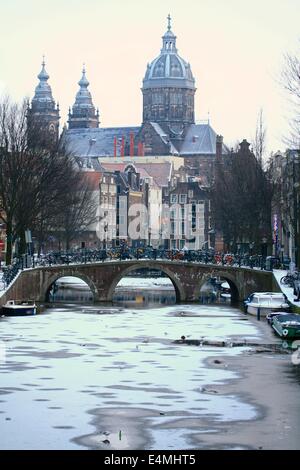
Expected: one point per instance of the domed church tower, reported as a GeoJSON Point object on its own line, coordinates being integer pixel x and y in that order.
{"type": "Point", "coordinates": [83, 113]}
{"type": "Point", "coordinates": [43, 111]}
{"type": "Point", "coordinates": [169, 89]}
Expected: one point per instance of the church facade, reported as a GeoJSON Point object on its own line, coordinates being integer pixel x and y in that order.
{"type": "Point", "coordinates": [168, 117]}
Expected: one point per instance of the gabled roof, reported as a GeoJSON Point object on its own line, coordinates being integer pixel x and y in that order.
{"type": "Point", "coordinates": [159, 131]}
{"type": "Point", "coordinates": [96, 142]}
{"type": "Point", "coordinates": [123, 180]}
{"type": "Point", "coordinates": [160, 172]}
{"type": "Point", "coordinates": [200, 140]}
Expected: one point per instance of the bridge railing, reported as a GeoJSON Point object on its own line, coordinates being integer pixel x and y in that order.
{"type": "Point", "coordinates": [125, 253]}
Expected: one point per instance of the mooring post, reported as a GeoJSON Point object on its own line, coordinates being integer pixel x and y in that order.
{"type": "Point", "coordinates": [258, 313]}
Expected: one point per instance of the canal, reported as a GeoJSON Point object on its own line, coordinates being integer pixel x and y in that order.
{"type": "Point", "coordinates": [89, 376]}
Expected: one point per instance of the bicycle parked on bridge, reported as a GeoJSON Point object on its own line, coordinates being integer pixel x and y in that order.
{"type": "Point", "coordinates": [124, 252]}
{"type": "Point", "coordinates": [290, 278]}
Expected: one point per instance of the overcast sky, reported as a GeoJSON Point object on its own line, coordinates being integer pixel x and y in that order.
{"type": "Point", "coordinates": [235, 48]}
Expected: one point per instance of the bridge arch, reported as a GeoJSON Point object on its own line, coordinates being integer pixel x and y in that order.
{"type": "Point", "coordinates": [179, 290]}
{"type": "Point", "coordinates": [52, 279]}
{"type": "Point", "coordinates": [230, 278]}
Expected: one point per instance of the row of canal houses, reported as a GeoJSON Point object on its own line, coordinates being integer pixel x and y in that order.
{"type": "Point", "coordinates": [151, 194]}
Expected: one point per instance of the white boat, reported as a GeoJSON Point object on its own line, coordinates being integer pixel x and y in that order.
{"type": "Point", "coordinates": [225, 290]}
{"type": "Point", "coordinates": [15, 308]}
{"type": "Point", "coordinates": [266, 302]}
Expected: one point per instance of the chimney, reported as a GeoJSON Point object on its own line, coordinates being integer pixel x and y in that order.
{"type": "Point", "coordinates": [219, 145]}
{"type": "Point", "coordinates": [123, 147]}
{"type": "Point", "coordinates": [131, 150]}
{"type": "Point", "coordinates": [140, 149]}
{"type": "Point", "coordinates": [115, 146]}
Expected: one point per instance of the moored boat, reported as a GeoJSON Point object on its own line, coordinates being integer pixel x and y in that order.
{"type": "Point", "coordinates": [287, 326]}
{"type": "Point", "coordinates": [270, 316]}
{"type": "Point", "coordinates": [15, 308]}
{"type": "Point", "coordinates": [265, 302]}
{"type": "Point", "coordinates": [225, 291]}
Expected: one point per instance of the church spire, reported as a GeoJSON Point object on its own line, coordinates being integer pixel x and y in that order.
{"type": "Point", "coordinates": [83, 111]}
{"type": "Point", "coordinates": [169, 22]}
{"type": "Point", "coordinates": [43, 92]}
{"type": "Point", "coordinates": [83, 82]}
{"type": "Point", "coordinates": [169, 39]}
{"type": "Point", "coordinates": [43, 109]}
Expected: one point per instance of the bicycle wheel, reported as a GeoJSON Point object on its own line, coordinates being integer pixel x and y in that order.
{"type": "Point", "coordinates": [285, 280]}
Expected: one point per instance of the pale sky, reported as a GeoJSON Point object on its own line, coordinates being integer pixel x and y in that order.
{"type": "Point", "coordinates": [235, 48]}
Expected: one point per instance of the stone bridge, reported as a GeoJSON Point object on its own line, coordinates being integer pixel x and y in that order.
{"type": "Point", "coordinates": [103, 277]}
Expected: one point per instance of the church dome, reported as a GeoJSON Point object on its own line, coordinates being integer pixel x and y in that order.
{"type": "Point", "coordinates": [169, 69]}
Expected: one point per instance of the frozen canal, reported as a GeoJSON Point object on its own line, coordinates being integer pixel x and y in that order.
{"type": "Point", "coordinates": [93, 376]}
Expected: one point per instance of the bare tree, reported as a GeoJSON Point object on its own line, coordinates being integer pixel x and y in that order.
{"type": "Point", "coordinates": [79, 211]}
{"type": "Point", "coordinates": [259, 142]}
{"type": "Point", "coordinates": [241, 197]}
{"type": "Point", "coordinates": [290, 80]}
{"type": "Point", "coordinates": [35, 171]}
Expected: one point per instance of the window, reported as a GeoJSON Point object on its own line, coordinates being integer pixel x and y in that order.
{"type": "Point", "coordinates": [191, 193]}
{"type": "Point", "coordinates": [173, 198]}
{"type": "Point", "coordinates": [182, 198]}
{"type": "Point", "coordinates": [122, 202]}
{"type": "Point", "coordinates": [182, 228]}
